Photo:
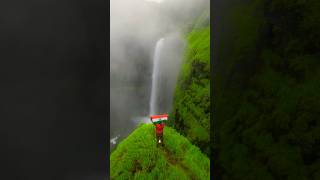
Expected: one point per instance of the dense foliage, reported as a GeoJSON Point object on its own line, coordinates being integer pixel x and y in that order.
{"type": "Point", "coordinates": [267, 91]}
{"type": "Point", "coordinates": [137, 157]}
{"type": "Point", "coordinates": [191, 109]}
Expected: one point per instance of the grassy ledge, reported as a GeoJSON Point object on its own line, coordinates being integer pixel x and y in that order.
{"type": "Point", "coordinates": [137, 157]}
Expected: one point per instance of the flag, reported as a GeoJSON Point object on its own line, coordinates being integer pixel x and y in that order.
{"type": "Point", "coordinates": [159, 118]}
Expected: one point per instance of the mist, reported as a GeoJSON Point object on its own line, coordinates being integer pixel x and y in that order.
{"type": "Point", "coordinates": [135, 28]}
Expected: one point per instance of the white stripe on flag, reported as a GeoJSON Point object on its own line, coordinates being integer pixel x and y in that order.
{"type": "Point", "coordinates": [159, 119]}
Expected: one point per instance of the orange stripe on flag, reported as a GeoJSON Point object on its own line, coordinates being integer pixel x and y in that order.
{"type": "Point", "coordinates": [158, 116]}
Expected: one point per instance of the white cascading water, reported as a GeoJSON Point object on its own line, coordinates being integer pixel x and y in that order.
{"type": "Point", "coordinates": [155, 77]}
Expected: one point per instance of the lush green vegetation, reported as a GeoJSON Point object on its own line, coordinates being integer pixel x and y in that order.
{"type": "Point", "coordinates": [267, 91]}
{"type": "Point", "coordinates": [191, 109]}
{"type": "Point", "coordinates": [137, 157]}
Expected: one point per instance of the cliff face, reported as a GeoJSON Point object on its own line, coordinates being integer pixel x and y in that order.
{"type": "Point", "coordinates": [137, 157]}
{"type": "Point", "coordinates": [191, 109]}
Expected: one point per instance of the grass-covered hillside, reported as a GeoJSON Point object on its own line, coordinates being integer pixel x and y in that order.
{"type": "Point", "coordinates": [191, 109]}
{"type": "Point", "coordinates": [138, 157]}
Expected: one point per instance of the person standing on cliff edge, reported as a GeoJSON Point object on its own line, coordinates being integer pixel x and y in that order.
{"type": "Point", "coordinates": [158, 121]}
{"type": "Point", "coordinates": [159, 132]}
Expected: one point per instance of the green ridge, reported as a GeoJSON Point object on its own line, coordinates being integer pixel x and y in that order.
{"type": "Point", "coordinates": [138, 157]}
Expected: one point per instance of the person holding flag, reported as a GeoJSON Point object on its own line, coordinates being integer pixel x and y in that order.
{"type": "Point", "coordinates": [158, 121]}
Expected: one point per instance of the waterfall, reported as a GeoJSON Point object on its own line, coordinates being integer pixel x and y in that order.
{"type": "Point", "coordinates": [155, 77]}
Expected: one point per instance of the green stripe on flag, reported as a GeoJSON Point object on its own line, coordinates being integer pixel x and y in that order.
{"type": "Point", "coordinates": [159, 120]}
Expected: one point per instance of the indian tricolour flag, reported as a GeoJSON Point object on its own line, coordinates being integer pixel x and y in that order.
{"type": "Point", "coordinates": [159, 118]}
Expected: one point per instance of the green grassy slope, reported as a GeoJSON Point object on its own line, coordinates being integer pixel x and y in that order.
{"type": "Point", "coordinates": [137, 157]}
{"type": "Point", "coordinates": [191, 109]}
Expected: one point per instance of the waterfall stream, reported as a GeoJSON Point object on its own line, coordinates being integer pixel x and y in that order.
{"type": "Point", "coordinates": [155, 77]}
